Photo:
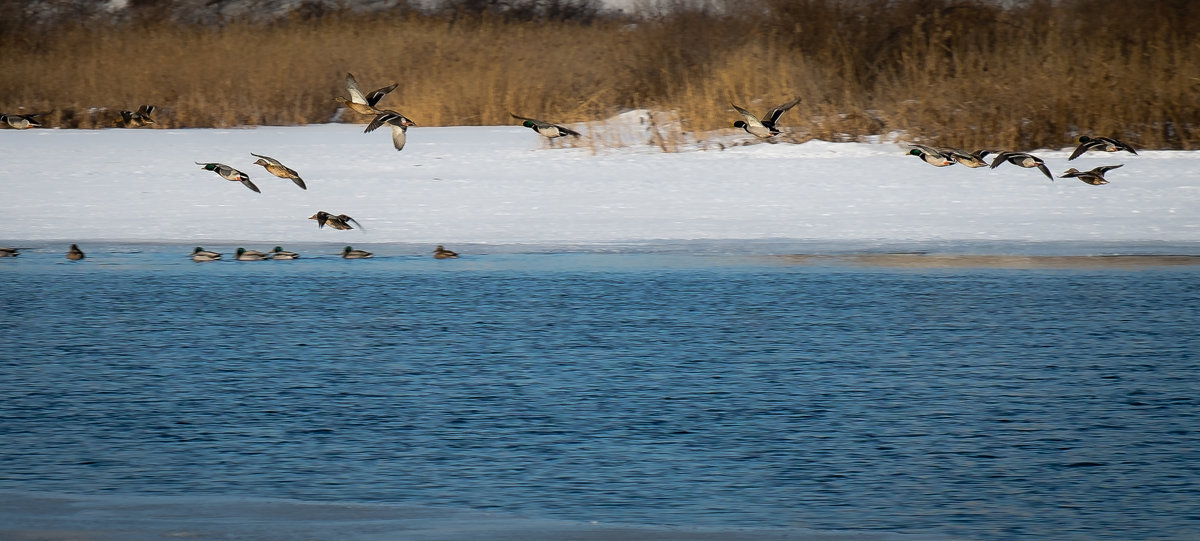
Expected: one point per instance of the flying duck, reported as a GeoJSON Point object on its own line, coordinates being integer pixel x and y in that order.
{"type": "Point", "coordinates": [545, 128]}
{"type": "Point", "coordinates": [931, 156]}
{"type": "Point", "coordinates": [340, 222]}
{"type": "Point", "coordinates": [1101, 143]}
{"type": "Point", "coordinates": [136, 119]}
{"type": "Point", "coordinates": [276, 168]}
{"type": "Point", "coordinates": [1022, 159]}
{"type": "Point", "coordinates": [762, 128]}
{"type": "Point", "coordinates": [360, 103]}
{"type": "Point", "coordinates": [969, 159]}
{"type": "Point", "coordinates": [1095, 177]}
{"type": "Point", "coordinates": [398, 122]}
{"type": "Point", "coordinates": [21, 122]}
{"type": "Point", "coordinates": [229, 173]}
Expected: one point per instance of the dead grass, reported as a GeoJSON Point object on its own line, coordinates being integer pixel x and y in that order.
{"type": "Point", "coordinates": [967, 73]}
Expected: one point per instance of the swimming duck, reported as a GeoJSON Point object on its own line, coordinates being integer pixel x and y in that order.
{"type": "Point", "coordinates": [969, 159]}
{"type": "Point", "coordinates": [229, 173]}
{"type": "Point", "coordinates": [276, 168]}
{"type": "Point", "coordinates": [931, 156]}
{"type": "Point", "coordinates": [360, 103]}
{"type": "Point", "coordinates": [1095, 177]}
{"type": "Point", "coordinates": [280, 253]}
{"type": "Point", "coordinates": [397, 121]}
{"type": "Point", "coordinates": [74, 253]}
{"type": "Point", "coordinates": [250, 255]}
{"type": "Point", "coordinates": [442, 253]}
{"type": "Point", "coordinates": [21, 122]}
{"type": "Point", "coordinates": [1102, 143]}
{"type": "Point", "coordinates": [763, 128]}
{"type": "Point", "coordinates": [340, 222]}
{"type": "Point", "coordinates": [545, 128]}
{"type": "Point", "coordinates": [9, 252]}
{"type": "Point", "coordinates": [1024, 160]}
{"type": "Point", "coordinates": [200, 254]}
{"type": "Point", "coordinates": [136, 119]}
{"type": "Point", "coordinates": [351, 253]}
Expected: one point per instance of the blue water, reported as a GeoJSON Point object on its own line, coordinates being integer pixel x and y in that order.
{"type": "Point", "coordinates": [655, 388]}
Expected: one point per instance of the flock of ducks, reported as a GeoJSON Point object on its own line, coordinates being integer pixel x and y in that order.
{"type": "Point", "coordinates": [366, 104]}
{"type": "Point", "coordinates": [941, 157]}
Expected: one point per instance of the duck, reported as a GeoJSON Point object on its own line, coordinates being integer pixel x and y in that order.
{"type": "Point", "coordinates": [1106, 144]}
{"type": "Point", "coordinates": [545, 128]}
{"type": "Point", "coordinates": [250, 255]}
{"type": "Point", "coordinates": [1095, 177]}
{"type": "Point", "coordinates": [398, 122]}
{"type": "Point", "coordinates": [22, 122]}
{"type": "Point", "coordinates": [363, 104]}
{"type": "Point", "coordinates": [275, 167]}
{"type": "Point", "coordinates": [969, 159]}
{"type": "Point", "coordinates": [442, 253]}
{"type": "Point", "coordinates": [351, 253]}
{"type": "Point", "coordinates": [340, 222]}
{"type": "Point", "coordinates": [136, 119]}
{"type": "Point", "coordinates": [1024, 160]}
{"type": "Point", "coordinates": [280, 253]}
{"type": "Point", "coordinates": [230, 174]}
{"type": "Point", "coordinates": [9, 252]}
{"type": "Point", "coordinates": [763, 128]}
{"type": "Point", "coordinates": [931, 156]}
{"type": "Point", "coordinates": [200, 254]}
{"type": "Point", "coordinates": [74, 253]}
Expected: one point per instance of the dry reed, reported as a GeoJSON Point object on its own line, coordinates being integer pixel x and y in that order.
{"type": "Point", "coordinates": [968, 73]}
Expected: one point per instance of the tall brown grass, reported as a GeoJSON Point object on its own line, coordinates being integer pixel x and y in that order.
{"type": "Point", "coordinates": [970, 73]}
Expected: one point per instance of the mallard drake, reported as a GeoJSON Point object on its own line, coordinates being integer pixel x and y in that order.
{"type": "Point", "coordinates": [545, 128]}
{"type": "Point", "coordinates": [1095, 177]}
{"type": "Point", "coordinates": [1024, 160]}
{"type": "Point", "coordinates": [351, 253]}
{"type": "Point", "coordinates": [442, 253]}
{"type": "Point", "coordinates": [74, 253]}
{"type": "Point", "coordinates": [276, 168]}
{"type": "Point", "coordinates": [22, 122]}
{"type": "Point", "coordinates": [136, 119]}
{"type": "Point", "coordinates": [763, 128]}
{"type": "Point", "coordinates": [230, 174]}
{"type": "Point", "coordinates": [969, 159]}
{"type": "Point", "coordinates": [200, 254]}
{"type": "Point", "coordinates": [1106, 144]}
{"type": "Point", "coordinates": [397, 121]}
{"type": "Point", "coordinates": [931, 156]}
{"type": "Point", "coordinates": [360, 103]}
{"type": "Point", "coordinates": [9, 252]}
{"type": "Point", "coordinates": [250, 255]}
{"type": "Point", "coordinates": [340, 222]}
{"type": "Point", "coordinates": [280, 253]}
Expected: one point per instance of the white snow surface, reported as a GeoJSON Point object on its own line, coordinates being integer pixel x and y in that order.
{"type": "Point", "coordinates": [505, 185]}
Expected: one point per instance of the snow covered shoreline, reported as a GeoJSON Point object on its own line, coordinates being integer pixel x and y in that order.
{"type": "Point", "coordinates": [502, 185]}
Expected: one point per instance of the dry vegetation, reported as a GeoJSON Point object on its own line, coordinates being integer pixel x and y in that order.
{"type": "Point", "coordinates": [969, 73]}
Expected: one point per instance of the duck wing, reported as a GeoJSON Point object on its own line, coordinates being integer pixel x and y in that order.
{"type": "Point", "coordinates": [1083, 147]}
{"type": "Point", "coordinates": [356, 93]}
{"type": "Point", "coordinates": [750, 118]}
{"type": "Point", "coordinates": [377, 95]}
{"type": "Point", "coordinates": [772, 116]}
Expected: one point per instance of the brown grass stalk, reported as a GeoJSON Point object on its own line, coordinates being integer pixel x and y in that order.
{"type": "Point", "coordinates": [967, 73]}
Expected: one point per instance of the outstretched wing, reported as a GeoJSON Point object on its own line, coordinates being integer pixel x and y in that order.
{"type": "Point", "coordinates": [750, 118]}
{"type": "Point", "coordinates": [346, 218]}
{"type": "Point", "coordinates": [1083, 147]}
{"type": "Point", "coordinates": [1105, 168]}
{"type": "Point", "coordinates": [376, 95]}
{"type": "Point", "coordinates": [772, 116]}
{"type": "Point", "coordinates": [270, 160]}
{"type": "Point", "coordinates": [356, 93]}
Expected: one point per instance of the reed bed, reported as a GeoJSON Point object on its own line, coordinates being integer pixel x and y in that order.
{"type": "Point", "coordinates": [969, 73]}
